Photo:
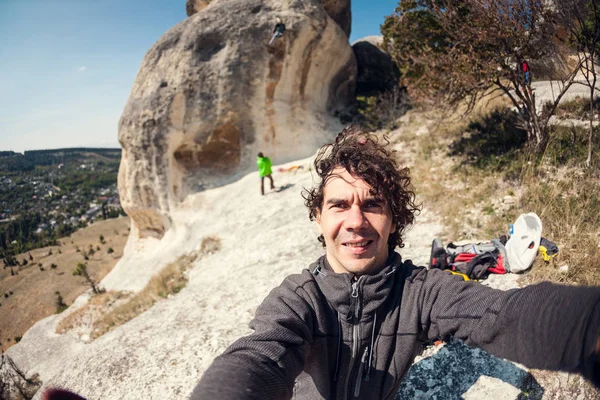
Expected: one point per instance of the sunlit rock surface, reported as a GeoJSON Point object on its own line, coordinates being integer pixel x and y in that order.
{"type": "Point", "coordinates": [212, 92]}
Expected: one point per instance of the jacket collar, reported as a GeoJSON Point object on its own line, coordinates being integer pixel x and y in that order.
{"type": "Point", "coordinates": [372, 290]}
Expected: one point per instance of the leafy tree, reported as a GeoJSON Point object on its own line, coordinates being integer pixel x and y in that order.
{"type": "Point", "coordinates": [102, 239]}
{"type": "Point", "coordinates": [450, 51]}
{"type": "Point", "coordinates": [110, 250]}
{"type": "Point", "coordinates": [104, 210]}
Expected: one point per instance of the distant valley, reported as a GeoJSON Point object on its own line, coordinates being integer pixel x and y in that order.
{"type": "Point", "coordinates": [48, 194]}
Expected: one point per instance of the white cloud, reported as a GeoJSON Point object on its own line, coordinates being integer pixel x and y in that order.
{"type": "Point", "coordinates": [82, 68]}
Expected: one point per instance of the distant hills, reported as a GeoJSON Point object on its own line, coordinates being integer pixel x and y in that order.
{"type": "Point", "coordinates": [11, 161]}
{"type": "Point", "coordinates": [65, 150]}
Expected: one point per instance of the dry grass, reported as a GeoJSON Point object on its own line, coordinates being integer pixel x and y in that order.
{"type": "Point", "coordinates": [105, 312]}
{"type": "Point", "coordinates": [466, 197]}
{"type": "Point", "coordinates": [84, 315]}
{"type": "Point", "coordinates": [34, 290]}
{"type": "Point", "coordinates": [569, 208]}
{"type": "Point", "coordinates": [479, 191]}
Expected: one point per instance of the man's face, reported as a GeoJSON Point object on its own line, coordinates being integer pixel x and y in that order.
{"type": "Point", "coordinates": [356, 226]}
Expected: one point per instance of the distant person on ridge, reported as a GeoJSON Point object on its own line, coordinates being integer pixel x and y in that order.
{"type": "Point", "coordinates": [525, 68]}
{"type": "Point", "coordinates": [350, 325]}
{"type": "Point", "coordinates": [278, 31]}
{"type": "Point", "coordinates": [264, 170]}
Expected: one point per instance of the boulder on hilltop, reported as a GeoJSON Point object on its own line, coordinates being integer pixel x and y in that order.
{"type": "Point", "coordinates": [338, 10]}
{"type": "Point", "coordinates": [212, 92]}
{"type": "Point", "coordinates": [194, 6]}
{"type": "Point", "coordinates": [377, 73]}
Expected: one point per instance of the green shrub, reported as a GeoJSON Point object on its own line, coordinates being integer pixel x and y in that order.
{"type": "Point", "coordinates": [381, 111]}
{"type": "Point", "coordinates": [60, 304]}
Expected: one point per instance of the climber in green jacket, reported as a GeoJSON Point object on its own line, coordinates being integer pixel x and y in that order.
{"type": "Point", "coordinates": [264, 170]}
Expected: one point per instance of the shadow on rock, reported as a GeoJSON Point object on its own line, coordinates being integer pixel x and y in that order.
{"type": "Point", "coordinates": [492, 141]}
{"type": "Point", "coordinates": [457, 371]}
{"type": "Point", "coordinates": [284, 187]}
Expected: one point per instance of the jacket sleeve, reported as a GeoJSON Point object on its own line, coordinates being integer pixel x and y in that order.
{"type": "Point", "coordinates": [544, 326]}
{"type": "Point", "coordinates": [264, 364]}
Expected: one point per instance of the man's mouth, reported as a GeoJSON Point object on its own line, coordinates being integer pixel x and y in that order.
{"type": "Point", "coordinates": [364, 243]}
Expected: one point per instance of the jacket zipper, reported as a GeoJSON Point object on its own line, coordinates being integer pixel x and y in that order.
{"type": "Point", "coordinates": [361, 370]}
{"type": "Point", "coordinates": [355, 294]}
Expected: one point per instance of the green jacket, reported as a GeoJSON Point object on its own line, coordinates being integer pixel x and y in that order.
{"type": "Point", "coordinates": [264, 166]}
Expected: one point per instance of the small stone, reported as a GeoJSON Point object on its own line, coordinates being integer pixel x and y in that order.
{"type": "Point", "coordinates": [564, 269]}
{"type": "Point", "coordinates": [423, 130]}
{"type": "Point", "coordinates": [508, 199]}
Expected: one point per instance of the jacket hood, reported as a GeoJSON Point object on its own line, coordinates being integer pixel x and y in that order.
{"type": "Point", "coordinates": [372, 290]}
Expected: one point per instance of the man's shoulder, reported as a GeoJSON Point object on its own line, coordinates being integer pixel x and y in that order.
{"type": "Point", "coordinates": [412, 271]}
{"type": "Point", "coordinates": [299, 280]}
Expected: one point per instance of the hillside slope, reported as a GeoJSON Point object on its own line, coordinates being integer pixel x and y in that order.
{"type": "Point", "coordinates": [162, 352]}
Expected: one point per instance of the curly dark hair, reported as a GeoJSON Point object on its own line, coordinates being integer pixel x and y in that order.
{"type": "Point", "coordinates": [363, 156]}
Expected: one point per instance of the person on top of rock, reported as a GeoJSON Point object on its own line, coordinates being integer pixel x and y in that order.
{"type": "Point", "coordinates": [278, 31]}
{"type": "Point", "coordinates": [351, 324]}
{"type": "Point", "coordinates": [264, 170]}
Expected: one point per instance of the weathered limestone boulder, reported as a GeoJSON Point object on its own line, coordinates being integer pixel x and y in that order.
{"type": "Point", "coordinates": [14, 383]}
{"type": "Point", "coordinates": [338, 10]}
{"type": "Point", "coordinates": [193, 6]}
{"type": "Point", "coordinates": [212, 93]}
{"type": "Point", "coordinates": [377, 73]}
{"type": "Point", "coordinates": [457, 371]}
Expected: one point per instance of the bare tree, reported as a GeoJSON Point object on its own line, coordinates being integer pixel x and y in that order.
{"type": "Point", "coordinates": [581, 19]}
{"type": "Point", "coordinates": [450, 51]}
{"type": "Point", "coordinates": [81, 270]}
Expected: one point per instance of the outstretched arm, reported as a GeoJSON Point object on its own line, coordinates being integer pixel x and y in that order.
{"type": "Point", "coordinates": [544, 326]}
{"type": "Point", "coordinates": [264, 364]}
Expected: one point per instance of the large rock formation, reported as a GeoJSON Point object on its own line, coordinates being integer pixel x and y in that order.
{"type": "Point", "coordinates": [377, 72]}
{"type": "Point", "coordinates": [193, 6]}
{"type": "Point", "coordinates": [212, 92]}
{"type": "Point", "coordinates": [338, 10]}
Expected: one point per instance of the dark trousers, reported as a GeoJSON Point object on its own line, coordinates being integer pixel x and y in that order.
{"type": "Point", "coordinates": [262, 180]}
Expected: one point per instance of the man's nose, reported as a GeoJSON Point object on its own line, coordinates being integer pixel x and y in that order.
{"type": "Point", "coordinates": [355, 219]}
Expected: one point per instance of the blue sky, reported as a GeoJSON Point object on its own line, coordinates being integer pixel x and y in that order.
{"type": "Point", "coordinates": [67, 66]}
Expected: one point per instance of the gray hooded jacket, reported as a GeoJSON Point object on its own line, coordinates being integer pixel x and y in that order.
{"type": "Point", "coordinates": [322, 335]}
